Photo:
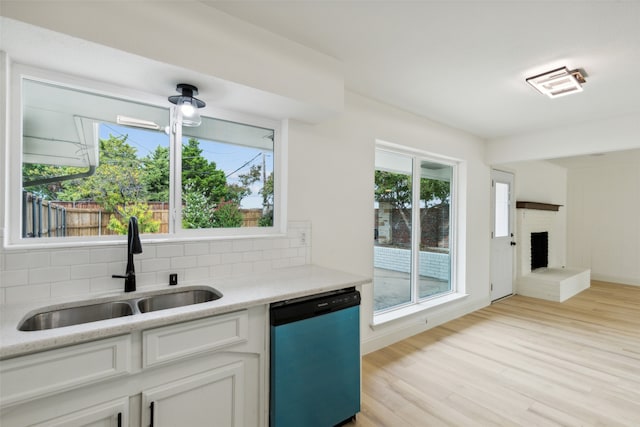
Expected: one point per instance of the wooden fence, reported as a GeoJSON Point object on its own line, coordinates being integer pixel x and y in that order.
{"type": "Point", "coordinates": [42, 218]}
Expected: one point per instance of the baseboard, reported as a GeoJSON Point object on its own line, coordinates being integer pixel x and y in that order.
{"type": "Point", "coordinates": [413, 325]}
{"type": "Point", "coordinates": [616, 279]}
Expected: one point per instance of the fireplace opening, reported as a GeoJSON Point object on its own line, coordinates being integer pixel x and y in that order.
{"type": "Point", "coordinates": [539, 250]}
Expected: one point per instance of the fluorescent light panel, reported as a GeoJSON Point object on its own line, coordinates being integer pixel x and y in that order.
{"type": "Point", "coordinates": [558, 82]}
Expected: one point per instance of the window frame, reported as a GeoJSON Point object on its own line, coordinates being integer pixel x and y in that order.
{"type": "Point", "coordinates": [417, 304]}
{"type": "Point", "coordinates": [14, 154]}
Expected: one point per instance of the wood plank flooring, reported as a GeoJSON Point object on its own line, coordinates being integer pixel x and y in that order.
{"type": "Point", "coordinates": [518, 362]}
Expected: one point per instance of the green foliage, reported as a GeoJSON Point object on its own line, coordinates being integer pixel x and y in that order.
{"type": "Point", "coordinates": [394, 188]}
{"type": "Point", "coordinates": [119, 222]}
{"type": "Point", "coordinates": [197, 212]}
{"type": "Point", "coordinates": [123, 184]}
{"type": "Point", "coordinates": [200, 175]}
{"type": "Point", "coordinates": [266, 220]}
{"type": "Point", "coordinates": [156, 175]}
{"type": "Point", "coordinates": [117, 180]}
{"type": "Point", "coordinates": [49, 191]}
{"type": "Point", "coordinates": [227, 215]}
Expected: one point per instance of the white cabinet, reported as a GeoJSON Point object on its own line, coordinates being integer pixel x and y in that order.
{"type": "Point", "coordinates": [108, 414]}
{"type": "Point", "coordinates": [214, 397]}
{"type": "Point", "coordinates": [192, 373]}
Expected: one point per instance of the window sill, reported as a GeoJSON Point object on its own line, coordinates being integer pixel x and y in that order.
{"type": "Point", "coordinates": [403, 312]}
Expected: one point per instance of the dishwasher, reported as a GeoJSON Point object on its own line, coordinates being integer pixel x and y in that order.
{"type": "Point", "coordinates": [315, 360]}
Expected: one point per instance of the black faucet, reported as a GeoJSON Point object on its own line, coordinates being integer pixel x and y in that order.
{"type": "Point", "coordinates": [133, 247]}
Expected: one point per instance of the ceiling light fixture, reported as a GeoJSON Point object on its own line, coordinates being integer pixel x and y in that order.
{"type": "Point", "coordinates": [187, 104]}
{"type": "Point", "coordinates": [558, 82]}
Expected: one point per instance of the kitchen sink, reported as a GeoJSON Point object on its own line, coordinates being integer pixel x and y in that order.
{"type": "Point", "coordinates": [51, 318]}
{"type": "Point", "coordinates": [177, 299]}
{"type": "Point", "coordinates": [76, 315]}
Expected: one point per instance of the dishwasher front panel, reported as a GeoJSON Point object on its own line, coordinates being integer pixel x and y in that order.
{"type": "Point", "coordinates": [315, 370]}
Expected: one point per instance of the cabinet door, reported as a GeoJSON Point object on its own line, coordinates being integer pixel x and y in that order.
{"type": "Point", "coordinates": [211, 398]}
{"type": "Point", "coordinates": [109, 414]}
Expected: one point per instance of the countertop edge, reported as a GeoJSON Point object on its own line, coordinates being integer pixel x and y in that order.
{"type": "Point", "coordinates": [239, 293]}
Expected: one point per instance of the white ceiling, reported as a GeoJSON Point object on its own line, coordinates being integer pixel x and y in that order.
{"type": "Point", "coordinates": [464, 63]}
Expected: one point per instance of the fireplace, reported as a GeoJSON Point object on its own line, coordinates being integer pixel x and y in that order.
{"type": "Point", "coordinates": [539, 250]}
{"type": "Point", "coordinates": [541, 273]}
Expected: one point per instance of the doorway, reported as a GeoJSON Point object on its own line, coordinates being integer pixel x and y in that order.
{"type": "Point", "coordinates": [502, 236]}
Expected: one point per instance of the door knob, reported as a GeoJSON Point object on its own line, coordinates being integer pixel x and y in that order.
{"type": "Point", "coordinates": [513, 243]}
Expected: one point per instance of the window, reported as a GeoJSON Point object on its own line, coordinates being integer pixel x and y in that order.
{"type": "Point", "coordinates": [413, 253]}
{"type": "Point", "coordinates": [90, 160]}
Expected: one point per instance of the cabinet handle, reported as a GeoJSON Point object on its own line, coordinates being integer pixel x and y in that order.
{"type": "Point", "coordinates": [151, 414]}
{"type": "Point", "coordinates": [119, 419]}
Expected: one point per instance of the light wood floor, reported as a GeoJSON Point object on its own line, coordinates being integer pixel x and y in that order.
{"type": "Point", "coordinates": [519, 362]}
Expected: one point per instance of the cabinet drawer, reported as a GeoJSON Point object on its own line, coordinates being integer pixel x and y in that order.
{"type": "Point", "coordinates": [169, 343]}
{"type": "Point", "coordinates": [40, 374]}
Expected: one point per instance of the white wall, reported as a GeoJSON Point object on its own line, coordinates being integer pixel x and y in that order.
{"type": "Point", "coordinates": [331, 184]}
{"type": "Point", "coordinates": [613, 134]}
{"type": "Point", "coordinates": [603, 217]}
{"type": "Point", "coordinates": [331, 171]}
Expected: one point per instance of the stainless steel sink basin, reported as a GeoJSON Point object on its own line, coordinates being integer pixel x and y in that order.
{"type": "Point", "coordinates": [177, 299]}
{"type": "Point", "coordinates": [76, 315]}
{"type": "Point", "coordinates": [51, 318]}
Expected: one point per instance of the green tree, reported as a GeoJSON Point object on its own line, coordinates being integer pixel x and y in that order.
{"type": "Point", "coordinates": [266, 220]}
{"type": "Point", "coordinates": [227, 214]}
{"type": "Point", "coordinates": [197, 212]}
{"type": "Point", "coordinates": [200, 175]}
{"type": "Point", "coordinates": [48, 191]}
{"type": "Point", "coordinates": [156, 175]}
{"type": "Point", "coordinates": [120, 223]}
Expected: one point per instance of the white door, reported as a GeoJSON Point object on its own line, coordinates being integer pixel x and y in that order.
{"type": "Point", "coordinates": [502, 238]}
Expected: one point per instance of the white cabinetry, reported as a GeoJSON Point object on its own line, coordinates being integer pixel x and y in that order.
{"type": "Point", "coordinates": [191, 373]}
{"type": "Point", "coordinates": [214, 397]}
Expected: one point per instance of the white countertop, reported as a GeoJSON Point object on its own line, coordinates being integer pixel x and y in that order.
{"type": "Point", "coordinates": [238, 293]}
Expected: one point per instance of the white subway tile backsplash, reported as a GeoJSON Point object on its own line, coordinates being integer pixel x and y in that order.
{"type": "Point", "coordinates": [108, 254]}
{"type": "Point", "coordinates": [70, 258]}
{"type": "Point", "coordinates": [156, 264]}
{"type": "Point", "coordinates": [14, 277]}
{"type": "Point", "coordinates": [184, 262]}
{"type": "Point", "coordinates": [39, 259]}
{"type": "Point", "coordinates": [262, 244]}
{"type": "Point", "coordinates": [196, 249]}
{"type": "Point", "coordinates": [222, 270]}
{"type": "Point", "coordinates": [252, 256]}
{"type": "Point", "coordinates": [43, 274]}
{"type": "Point", "coordinates": [199, 274]}
{"type": "Point", "coordinates": [241, 268]}
{"type": "Point", "coordinates": [105, 284]}
{"type": "Point", "coordinates": [221, 246]}
{"type": "Point", "coordinates": [148, 252]}
{"type": "Point", "coordinates": [231, 258]}
{"type": "Point", "coordinates": [88, 271]}
{"type": "Point", "coordinates": [243, 245]}
{"type": "Point", "coordinates": [168, 251]}
{"type": "Point", "coordinates": [49, 274]}
{"type": "Point", "coordinates": [209, 260]}
{"type": "Point", "coordinates": [281, 243]}
{"type": "Point", "coordinates": [23, 293]}
{"type": "Point", "coordinates": [16, 261]}
{"type": "Point", "coordinates": [70, 288]}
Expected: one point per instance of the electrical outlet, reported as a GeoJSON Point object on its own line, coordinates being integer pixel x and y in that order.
{"type": "Point", "coordinates": [303, 238]}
